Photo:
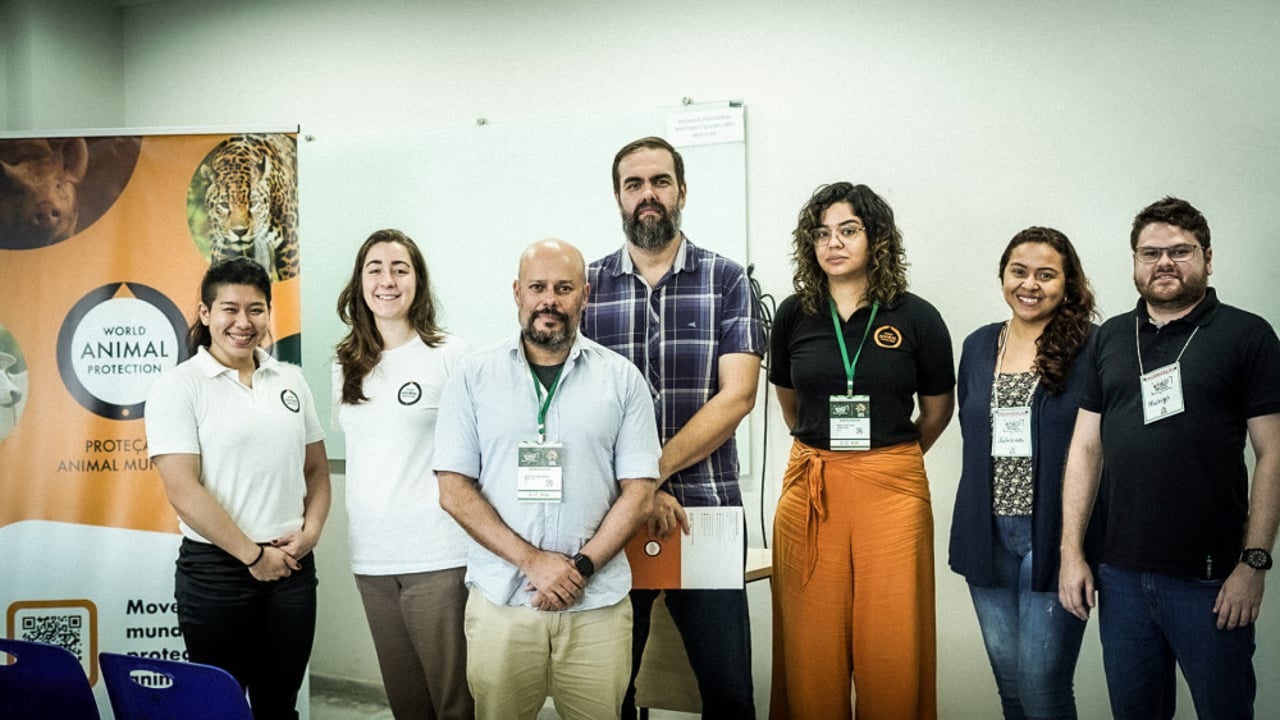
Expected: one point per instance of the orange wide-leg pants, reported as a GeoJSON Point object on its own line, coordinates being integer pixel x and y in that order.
{"type": "Point", "coordinates": [853, 592]}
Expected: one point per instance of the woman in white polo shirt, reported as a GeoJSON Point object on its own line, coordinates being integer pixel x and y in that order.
{"type": "Point", "coordinates": [236, 439]}
{"type": "Point", "coordinates": [408, 555]}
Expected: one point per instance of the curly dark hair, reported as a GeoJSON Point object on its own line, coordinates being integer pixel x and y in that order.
{"type": "Point", "coordinates": [1068, 329]}
{"type": "Point", "coordinates": [361, 349]}
{"type": "Point", "coordinates": [1176, 212]}
{"type": "Point", "coordinates": [887, 261]}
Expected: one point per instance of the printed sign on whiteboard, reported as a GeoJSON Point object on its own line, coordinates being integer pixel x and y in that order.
{"type": "Point", "coordinates": [706, 127]}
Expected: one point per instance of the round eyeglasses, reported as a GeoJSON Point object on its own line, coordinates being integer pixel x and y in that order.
{"type": "Point", "coordinates": [821, 236]}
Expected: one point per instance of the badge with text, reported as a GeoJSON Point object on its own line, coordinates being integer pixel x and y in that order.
{"type": "Point", "coordinates": [850, 417]}
{"type": "Point", "coordinates": [1011, 432]}
{"type": "Point", "coordinates": [539, 476]}
{"type": "Point", "coordinates": [1161, 393]}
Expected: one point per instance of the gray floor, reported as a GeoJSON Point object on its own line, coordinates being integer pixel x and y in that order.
{"type": "Point", "coordinates": [332, 705]}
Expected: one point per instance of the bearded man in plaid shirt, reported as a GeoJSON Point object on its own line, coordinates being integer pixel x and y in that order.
{"type": "Point", "coordinates": [686, 318]}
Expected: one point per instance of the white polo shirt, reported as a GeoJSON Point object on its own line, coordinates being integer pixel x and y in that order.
{"type": "Point", "coordinates": [251, 441]}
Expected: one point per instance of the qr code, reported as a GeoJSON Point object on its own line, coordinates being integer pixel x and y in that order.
{"type": "Point", "coordinates": [71, 623]}
{"type": "Point", "coordinates": [65, 630]}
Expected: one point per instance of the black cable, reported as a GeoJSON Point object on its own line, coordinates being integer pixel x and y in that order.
{"type": "Point", "coordinates": [765, 306]}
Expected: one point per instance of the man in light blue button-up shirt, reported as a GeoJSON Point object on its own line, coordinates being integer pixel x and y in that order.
{"type": "Point", "coordinates": [549, 610]}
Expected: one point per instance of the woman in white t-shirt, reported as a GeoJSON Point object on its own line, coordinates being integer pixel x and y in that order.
{"type": "Point", "coordinates": [408, 555]}
{"type": "Point", "coordinates": [235, 436]}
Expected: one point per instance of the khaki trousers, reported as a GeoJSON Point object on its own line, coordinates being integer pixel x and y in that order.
{"type": "Point", "coordinates": [416, 623]}
{"type": "Point", "coordinates": [517, 656]}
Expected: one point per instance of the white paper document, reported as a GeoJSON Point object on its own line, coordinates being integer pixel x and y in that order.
{"type": "Point", "coordinates": [708, 558]}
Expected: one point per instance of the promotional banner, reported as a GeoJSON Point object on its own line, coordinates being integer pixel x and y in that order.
{"type": "Point", "coordinates": [103, 242]}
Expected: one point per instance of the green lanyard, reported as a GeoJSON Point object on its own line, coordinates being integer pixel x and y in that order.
{"type": "Point", "coordinates": [544, 402]}
{"type": "Point", "coordinates": [850, 367]}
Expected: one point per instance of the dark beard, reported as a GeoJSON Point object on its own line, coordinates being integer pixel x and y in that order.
{"type": "Point", "coordinates": [1193, 291]}
{"type": "Point", "coordinates": [554, 340]}
{"type": "Point", "coordinates": [652, 234]}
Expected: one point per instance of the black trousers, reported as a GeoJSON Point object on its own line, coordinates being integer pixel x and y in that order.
{"type": "Point", "coordinates": [716, 629]}
{"type": "Point", "coordinates": [260, 632]}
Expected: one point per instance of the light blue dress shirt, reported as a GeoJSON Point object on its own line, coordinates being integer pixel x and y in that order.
{"type": "Point", "coordinates": [602, 414]}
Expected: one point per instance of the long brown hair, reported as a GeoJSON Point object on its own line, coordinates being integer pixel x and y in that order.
{"type": "Point", "coordinates": [886, 261]}
{"type": "Point", "coordinates": [361, 349]}
{"type": "Point", "coordinates": [1068, 329]}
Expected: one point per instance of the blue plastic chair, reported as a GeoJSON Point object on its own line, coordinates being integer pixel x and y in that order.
{"type": "Point", "coordinates": [148, 689]}
{"type": "Point", "coordinates": [43, 681]}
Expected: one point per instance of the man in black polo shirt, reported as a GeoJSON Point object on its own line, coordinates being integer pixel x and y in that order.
{"type": "Point", "coordinates": [1175, 386]}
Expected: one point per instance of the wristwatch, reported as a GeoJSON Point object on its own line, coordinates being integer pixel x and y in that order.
{"type": "Point", "coordinates": [1256, 558]}
{"type": "Point", "coordinates": [587, 568]}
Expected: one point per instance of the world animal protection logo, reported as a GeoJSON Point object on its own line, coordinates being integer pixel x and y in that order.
{"type": "Point", "coordinates": [114, 343]}
{"type": "Point", "coordinates": [99, 254]}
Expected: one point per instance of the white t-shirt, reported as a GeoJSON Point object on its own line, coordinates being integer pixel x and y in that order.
{"type": "Point", "coordinates": [393, 501]}
{"type": "Point", "coordinates": [252, 442]}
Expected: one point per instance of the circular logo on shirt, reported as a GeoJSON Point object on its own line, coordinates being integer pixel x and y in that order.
{"type": "Point", "coordinates": [888, 337]}
{"type": "Point", "coordinates": [410, 393]}
{"type": "Point", "coordinates": [290, 400]}
{"type": "Point", "coordinates": [113, 344]}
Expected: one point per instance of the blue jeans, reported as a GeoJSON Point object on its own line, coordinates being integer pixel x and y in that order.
{"type": "Point", "coordinates": [716, 632]}
{"type": "Point", "coordinates": [1032, 642]}
{"type": "Point", "coordinates": [1149, 622]}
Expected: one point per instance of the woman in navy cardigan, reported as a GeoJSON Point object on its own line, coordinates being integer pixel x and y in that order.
{"type": "Point", "coordinates": [1019, 386]}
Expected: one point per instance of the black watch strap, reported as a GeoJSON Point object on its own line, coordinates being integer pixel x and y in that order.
{"type": "Point", "coordinates": [1256, 558]}
{"type": "Point", "coordinates": [584, 565]}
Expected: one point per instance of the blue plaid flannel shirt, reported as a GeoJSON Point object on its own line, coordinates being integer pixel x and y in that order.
{"type": "Point", "coordinates": [675, 334]}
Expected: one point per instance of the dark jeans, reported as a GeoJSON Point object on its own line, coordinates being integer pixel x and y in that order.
{"type": "Point", "coordinates": [1149, 622]}
{"type": "Point", "coordinates": [717, 638]}
{"type": "Point", "coordinates": [260, 632]}
{"type": "Point", "coordinates": [1032, 641]}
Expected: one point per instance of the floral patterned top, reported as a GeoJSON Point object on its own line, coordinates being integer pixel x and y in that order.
{"type": "Point", "coordinates": [1011, 487]}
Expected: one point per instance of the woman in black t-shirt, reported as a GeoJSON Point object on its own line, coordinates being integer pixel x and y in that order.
{"type": "Point", "coordinates": [852, 353]}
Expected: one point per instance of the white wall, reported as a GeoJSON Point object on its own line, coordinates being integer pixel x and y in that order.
{"type": "Point", "coordinates": [8, 20]}
{"type": "Point", "coordinates": [973, 119]}
{"type": "Point", "coordinates": [63, 64]}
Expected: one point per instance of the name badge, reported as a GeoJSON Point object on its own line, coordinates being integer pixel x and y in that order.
{"type": "Point", "coordinates": [1162, 393]}
{"type": "Point", "coordinates": [1011, 432]}
{"type": "Point", "coordinates": [539, 476]}
{"type": "Point", "coordinates": [850, 421]}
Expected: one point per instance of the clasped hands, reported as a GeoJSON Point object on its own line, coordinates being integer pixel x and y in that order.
{"type": "Point", "coordinates": [281, 557]}
{"type": "Point", "coordinates": [555, 582]}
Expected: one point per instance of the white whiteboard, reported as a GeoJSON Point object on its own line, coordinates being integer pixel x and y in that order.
{"type": "Point", "coordinates": [473, 198]}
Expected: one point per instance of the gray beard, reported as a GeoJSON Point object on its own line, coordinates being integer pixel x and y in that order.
{"type": "Point", "coordinates": [552, 341]}
{"type": "Point", "coordinates": [652, 234]}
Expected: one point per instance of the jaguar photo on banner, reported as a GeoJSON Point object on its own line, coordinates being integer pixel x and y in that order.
{"type": "Point", "coordinates": [103, 242]}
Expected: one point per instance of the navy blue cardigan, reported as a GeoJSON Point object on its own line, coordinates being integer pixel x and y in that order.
{"type": "Point", "coordinates": [1052, 420]}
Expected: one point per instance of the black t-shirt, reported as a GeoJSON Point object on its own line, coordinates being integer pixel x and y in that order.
{"type": "Point", "coordinates": [547, 374]}
{"type": "Point", "coordinates": [1176, 492]}
{"type": "Point", "coordinates": [907, 352]}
